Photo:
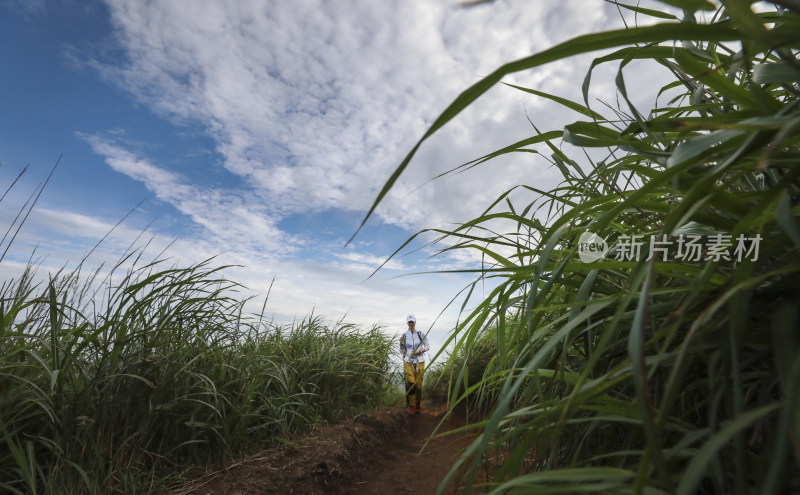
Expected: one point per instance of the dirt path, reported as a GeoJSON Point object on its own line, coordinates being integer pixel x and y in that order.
{"type": "Point", "coordinates": [374, 455]}
{"type": "Point", "coordinates": [401, 468]}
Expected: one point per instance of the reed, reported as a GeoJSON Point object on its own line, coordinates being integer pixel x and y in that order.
{"type": "Point", "coordinates": [117, 391]}
{"type": "Point", "coordinates": [647, 375]}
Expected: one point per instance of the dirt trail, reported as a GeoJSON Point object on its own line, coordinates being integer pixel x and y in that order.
{"type": "Point", "coordinates": [374, 455]}
{"type": "Point", "coordinates": [400, 467]}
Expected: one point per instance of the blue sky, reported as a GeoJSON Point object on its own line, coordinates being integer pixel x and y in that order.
{"type": "Point", "coordinates": [260, 132]}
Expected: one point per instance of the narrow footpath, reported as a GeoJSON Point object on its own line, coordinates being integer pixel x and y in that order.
{"type": "Point", "coordinates": [378, 454]}
{"type": "Point", "coordinates": [401, 467]}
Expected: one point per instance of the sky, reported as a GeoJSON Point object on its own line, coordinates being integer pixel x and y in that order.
{"type": "Point", "coordinates": [260, 132]}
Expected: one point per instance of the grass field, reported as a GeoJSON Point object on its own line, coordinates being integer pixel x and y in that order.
{"type": "Point", "coordinates": [119, 391]}
{"type": "Point", "coordinates": [669, 365]}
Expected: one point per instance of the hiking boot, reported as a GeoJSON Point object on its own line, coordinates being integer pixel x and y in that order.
{"type": "Point", "coordinates": [417, 410]}
{"type": "Point", "coordinates": [411, 410]}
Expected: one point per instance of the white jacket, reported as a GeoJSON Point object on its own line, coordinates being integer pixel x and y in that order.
{"type": "Point", "coordinates": [412, 341]}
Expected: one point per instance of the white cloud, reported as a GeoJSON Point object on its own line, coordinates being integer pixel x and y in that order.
{"type": "Point", "coordinates": [314, 103]}
{"type": "Point", "coordinates": [301, 288]}
{"type": "Point", "coordinates": [370, 262]}
{"type": "Point", "coordinates": [224, 215]}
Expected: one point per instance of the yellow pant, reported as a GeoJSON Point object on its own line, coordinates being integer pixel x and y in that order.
{"type": "Point", "coordinates": [413, 382]}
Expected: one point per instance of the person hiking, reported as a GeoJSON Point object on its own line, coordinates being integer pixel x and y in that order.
{"type": "Point", "coordinates": [413, 346]}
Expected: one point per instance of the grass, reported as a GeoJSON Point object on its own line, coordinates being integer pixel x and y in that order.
{"type": "Point", "coordinates": [624, 375]}
{"type": "Point", "coordinates": [117, 391]}
{"type": "Point", "coordinates": [646, 374]}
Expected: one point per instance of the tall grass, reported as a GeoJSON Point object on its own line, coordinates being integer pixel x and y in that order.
{"type": "Point", "coordinates": [637, 375]}
{"type": "Point", "coordinates": [465, 368]}
{"type": "Point", "coordinates": [114, 392]}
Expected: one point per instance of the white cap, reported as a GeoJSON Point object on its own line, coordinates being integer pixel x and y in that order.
{"type": "Point", "coordinates": [411, 318]}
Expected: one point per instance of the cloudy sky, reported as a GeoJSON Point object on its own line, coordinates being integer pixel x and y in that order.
{"type": "Point", "coordinates": [261, 131]}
